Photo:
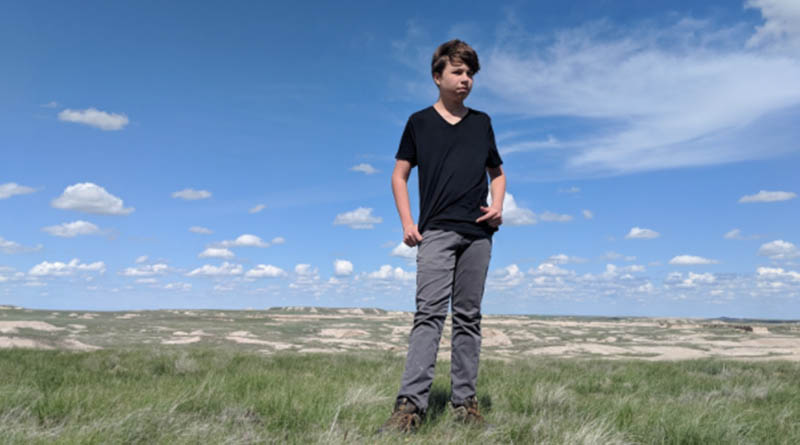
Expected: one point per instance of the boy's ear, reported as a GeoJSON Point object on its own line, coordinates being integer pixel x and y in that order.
{"type": "Point", "coordinates": [437, 78]}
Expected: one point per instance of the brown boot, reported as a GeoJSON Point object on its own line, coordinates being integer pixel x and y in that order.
{"type": "Point", "coordinates": [468, 412]}
{"type": "Point", "coordinates": [404, 419]}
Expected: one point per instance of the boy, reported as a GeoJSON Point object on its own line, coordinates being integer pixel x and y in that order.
{"type": "Point", "coordinates": [454, 148]}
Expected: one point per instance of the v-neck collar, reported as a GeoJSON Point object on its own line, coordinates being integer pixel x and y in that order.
{"type": "Point", "coordinates": [469, 110]}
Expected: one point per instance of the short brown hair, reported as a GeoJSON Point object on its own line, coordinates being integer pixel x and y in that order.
{"type": "Point", "coordinates": [454, 50]}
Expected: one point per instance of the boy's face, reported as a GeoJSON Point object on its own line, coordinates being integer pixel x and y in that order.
{"type": "Point", "coordinates": [455, 81]}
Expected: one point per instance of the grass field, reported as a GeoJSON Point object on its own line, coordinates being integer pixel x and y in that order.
{"type": "Point", "coordinates": [200, 394]}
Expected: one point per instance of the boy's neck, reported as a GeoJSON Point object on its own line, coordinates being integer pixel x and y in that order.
{"type": "Point", "coordinates": [454, 108]}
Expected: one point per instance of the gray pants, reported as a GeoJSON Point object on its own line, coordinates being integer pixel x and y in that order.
{"type": "Point", "coordinates": [448, 264]}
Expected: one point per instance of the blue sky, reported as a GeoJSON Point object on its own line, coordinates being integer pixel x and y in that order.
{"type": "Point", "coordinates": [202, 154]}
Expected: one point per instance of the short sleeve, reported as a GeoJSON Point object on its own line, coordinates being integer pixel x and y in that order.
{"type": "Point", "coordinates": [493, 159]}
{"type": "Point", "coordinates": [408, 145]}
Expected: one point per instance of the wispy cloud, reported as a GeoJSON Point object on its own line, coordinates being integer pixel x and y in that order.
{"type": "Point", "coordinates": [200, 230]}
{"type": "Point", "coordinates": [257, 208]}
{"type": "Point", "coordinates": [691, 260]}
{"type": "Point", "coordinates": [191, 194]}
{"type": "Point", "coordinates": [10, 189]}
{"type": "Point", "coordinates": [728, 95]}
{"type": "Point", "coordinates": [640, 233]}
{"type": "Point", "coordinates": [10, 247]}
{"type": "Point", "coordinates": [767, 196]}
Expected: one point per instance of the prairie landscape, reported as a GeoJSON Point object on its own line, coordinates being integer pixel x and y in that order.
{"type": "Point", "coordinates": [325, 375]}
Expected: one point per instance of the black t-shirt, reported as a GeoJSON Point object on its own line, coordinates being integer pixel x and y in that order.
{"type": "Point", "coordinates": [452, 160]}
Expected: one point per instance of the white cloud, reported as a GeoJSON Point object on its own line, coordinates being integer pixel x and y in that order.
{"type": "Point", "coordinates": [779, 250]}
{"type": "Point", "coordinates": [265, 271]}
{"type": "Point", "coordinates": [145, 270]}
{"type": "Point", "coordinates": [588, 214]}
{"type": "Point", "coordinates": [639, 233]}
{"type": "Point", "coordinates": [278, 240]}
{"type": "Point", "coordinates": [305, 269]}
{"type": "Point", "coordinates": [766, 196]}
{"type": "Point", "coordinates": [257, 208]}
{"type": "Point", "coordinates": [246, 240]}
{"type": "Point", "coordinates": [570, 191]}
{"type": "Point", "coordinates": [141, 259]}
{"type": "Point", "coordinates": [200, 230]}
{"type": "Point", "coordinates": [95, 118]}
{"type": "Point", "coordinates": [716, 100]}
{"type": "Point", "coordinates": [554, 217]}
{"type": "Point", "coordinates": [10, 189]}
{"type": "Point", "coordinates": [386, 272]}
{"type": "Point", "coordinates": [364, 168]}
{"type": "Point", "coordinates": [514, 215]}
{"type": "Point", "coordinates": [59, 269]}
{"type": "Point", "coordinates": [147, 281]}
{"type": "Point", "coordinates": [777, 273]}
{"type": "Point", "coordinates": [564, 259]}
{"type": "Point", "coordinates": [781, 26]}
{"type": "Point", "coordinates": [216, 252]}
{"type": "Point", "coordinates": [508, 276]}
{"type": "Point", "coordinates": [72, 229]}
{"type": "Point", "coordinates": [615, 256]}
{"type": "Point", "coordinates": [549, 269]}
{"type": "Point", "coordinates": [360, 218]}
{"type": "Point", "coordinates": [223, 269]}
{"type": "Point", "coordinates": [342, 268]}
{"type": "Point", "coordinates": [737, 235]}
{"type": "Point", "coordinates": [51, 104]}
{"type": "Point", "coordinates": [90, 198]}
{"type": "Point", "coordinates": [691, 260]}
{"type": "Point", "coordinates": [178, 286]}
{"type": "Point", "coordinates": [10, 247]}
{"type": "Point", "coordinates": [191, 194]}
{"type": "Point", "coordinates": [692, 279]}
{"type": "Point", "coordinates": [402, 250]}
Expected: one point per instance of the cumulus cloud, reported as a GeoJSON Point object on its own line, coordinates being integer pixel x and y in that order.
{"type": "Point", "coordinates": [588, 214]}
{"type": "Point", "coordinates": [11, 247]}
{"type": "Point", "coordinates": [200, 230]}
{"type": "Point", "coordinates": [223, 269]}
{"type": "Point", "coordinates": [257, 208]}
{"type": "Point", "coordinates": [72, 229]}
{"type": "Point", "coordinates": [342, 268]}
{"type": "Point", "coordinates": [386, 272]}
{"type": "Point", "coordinates": [59, 269]}
{"type": "Point", "coordinates": [725, 96]}
{"type": "Point", "coordinates": [146, 270]}
{"type": "Point", "coordinates": [402, 250]}
{"type": "Point", "coordinates": [246, 240]}
{"type": "Point", "coordinates": [691, 260]}
{"type": "Point", "coordinates": [364, 168]}
{"type": "Point", "coordinates": [90, 198]}
{"type": "Point", "coordinates": [766, 196]}
{"type": "Point", "coordinates": [216, 252]}
{"type": "Point", "coordinates": [692, 279]}
{"type": "Point", "coordinates": [508, 276]}
{"type": "Point", "coordinates": [265, 271]}
{"type": "Point", "coordinates": [639, 233]}
{"type": "Point", "coordinates": [777, 273]}
{"type": "Point", "coordinates": [10, 189]}
{"type": "Point", "coordinates": [779, 250]}
{"type": "Point", "coordinates": [514, 215]}
{"type": "Point", "coordinates": [549, 269]}
{"type": "Point", "coordinates": [179, 286]}
{"type": "Point", "coordinates": [95, 118]}
{"type": "Point", "coordinates": [191, 194]}
{"type": "Point", "coordinates": [360, 218]}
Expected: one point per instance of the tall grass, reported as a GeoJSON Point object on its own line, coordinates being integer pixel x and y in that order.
{"type": "Point", "coordinates": [204, 395]}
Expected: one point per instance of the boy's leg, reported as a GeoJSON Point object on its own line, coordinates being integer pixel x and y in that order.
{"type": "Point", "coordinates": [470, 279]}
{"type": "Point", "coordinates": [435, 267]}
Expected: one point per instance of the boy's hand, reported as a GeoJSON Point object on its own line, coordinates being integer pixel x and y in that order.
{"type": "Point", "coordinates": [411, 235]}
{"type": "Point", "coordinates": [492, 215]}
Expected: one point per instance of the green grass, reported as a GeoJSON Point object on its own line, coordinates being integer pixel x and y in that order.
{"type": "Point", "coordinates": [214, 395]}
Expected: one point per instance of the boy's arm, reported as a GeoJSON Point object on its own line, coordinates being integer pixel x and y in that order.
{"type": "Point", "coordinates": [402, 169]}
{"type": "Point", "coordinates": [494, 213]}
